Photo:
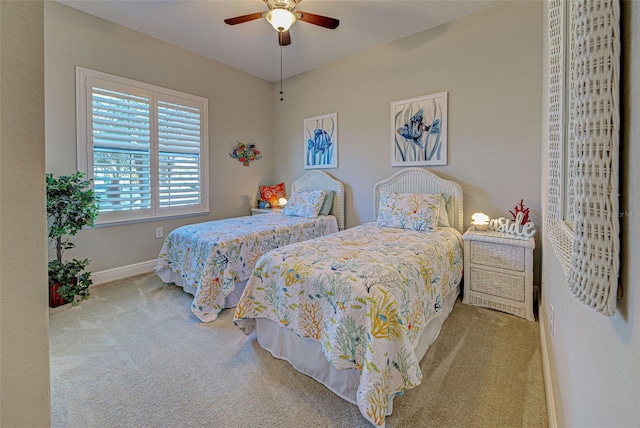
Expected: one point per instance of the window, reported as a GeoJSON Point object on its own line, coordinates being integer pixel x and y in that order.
{"type": "Point", "coordinates": [144, 146]}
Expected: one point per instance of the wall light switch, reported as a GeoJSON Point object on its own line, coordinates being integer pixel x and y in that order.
{"type": "Point", "coordinates": [159, 232]}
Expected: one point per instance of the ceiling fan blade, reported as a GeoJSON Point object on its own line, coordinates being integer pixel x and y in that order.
{"type": "Point", "coordinates": [244, 18]}
{"type": "Point", "coordinates": [322, 21]}
{"type": "Point", "coordinates": [284, 38]}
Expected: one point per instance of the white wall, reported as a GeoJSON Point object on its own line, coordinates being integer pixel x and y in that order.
{"type": "Point", "coordinates": [494, 153]}
{"type": "Point", "coordinates": [490, 64]}
{"type": "Point", "coordinates": [24, 316]}
{"type": "Point", "coordinates": [594, 359]}
{"type": "Point", "coordinates": [239, 109]}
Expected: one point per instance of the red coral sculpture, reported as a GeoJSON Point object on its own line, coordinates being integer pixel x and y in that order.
{"type": "Point", "coordinates": [520, 208]}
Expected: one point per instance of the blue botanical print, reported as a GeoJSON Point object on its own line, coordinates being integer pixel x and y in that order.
{"type": "Point", "coordinates": [320, 142]}
{"type": "Point", "coordinates": [418, 134]}
{"type": "Point", "coordinates": [415, 128]}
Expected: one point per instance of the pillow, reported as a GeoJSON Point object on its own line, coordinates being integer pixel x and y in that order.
{"type": "Point", "coordinates": [273, 194]}
{"type": "Point", "coordinates": [413, 211]}
{"type": "Point", "coordinates": [443, 215]}
{"type": "Point", "coordinates": [305, 203]}
{"type": "Point", "coordinates": [328, 203]}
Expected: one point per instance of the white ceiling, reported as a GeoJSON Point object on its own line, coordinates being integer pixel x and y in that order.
{"type": "Point", "coordinates": [197, 25]}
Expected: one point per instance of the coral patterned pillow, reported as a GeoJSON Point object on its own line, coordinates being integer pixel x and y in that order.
{"type": "Point", "coordinates": [305, 203]}
{"type": "Point", "coordinates": [416, 211]}
{"type": "Point", "coordinates": [273, 194]}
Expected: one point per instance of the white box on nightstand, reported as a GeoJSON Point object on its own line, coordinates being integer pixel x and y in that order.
{"type": "Point", "coordinates": [498, 272]}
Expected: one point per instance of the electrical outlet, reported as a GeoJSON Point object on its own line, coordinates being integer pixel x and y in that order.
{"type": "Point", "coordinates": [159, 232]}
{"type": "Point", "coordinates": [552, 317]}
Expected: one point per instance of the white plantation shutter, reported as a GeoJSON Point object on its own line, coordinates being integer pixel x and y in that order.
{"type": "Point", "coordinates": [144, 146]}
{"type": "Point", "coordinates": [179, 154]}
{"type": "Point", "coordinates": [121, 150]}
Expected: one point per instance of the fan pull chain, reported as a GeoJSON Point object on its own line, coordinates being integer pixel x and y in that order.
{"type": "Point", "coordinates": [281, 99]}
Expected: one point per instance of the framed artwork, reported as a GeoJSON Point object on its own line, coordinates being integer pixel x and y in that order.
{"type": "Point", "coordinates": [419, 131]}
{"type": "Point", "coordinates": [321, 141]}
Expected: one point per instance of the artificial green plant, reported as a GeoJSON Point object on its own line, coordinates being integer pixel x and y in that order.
{"type": "Point", "coordinates": [71, 205]}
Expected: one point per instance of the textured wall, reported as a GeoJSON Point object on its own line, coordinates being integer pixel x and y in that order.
{"type": "Point", "coordinates": [490, 64]}
{"type": "Point", "coordinates": [24, 316]}
{"type": "Point", "coordinates": [594, 359]}
{"type": "Point", "coordinates": [239, 109]}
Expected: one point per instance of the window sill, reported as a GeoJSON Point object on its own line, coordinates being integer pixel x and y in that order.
{"type": "Point", "coordinates": [146, 220]}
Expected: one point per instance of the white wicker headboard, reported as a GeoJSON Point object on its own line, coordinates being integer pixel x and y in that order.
{"type": "Point", "coordinates": [320, 180]}
{"type": "Point", "coordinates": [418, 180]}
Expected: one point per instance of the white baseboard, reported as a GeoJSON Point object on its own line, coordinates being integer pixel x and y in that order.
{"type": "Point", "coordinates": [548, 384]}
{"type": "Point", "coordinates": [122, 272]}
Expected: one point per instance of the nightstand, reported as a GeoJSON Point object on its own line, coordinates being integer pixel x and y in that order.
{"type": "Point", "coordinates": [498, 272]}
{"type": "Point", "coordinates": [256, 211]}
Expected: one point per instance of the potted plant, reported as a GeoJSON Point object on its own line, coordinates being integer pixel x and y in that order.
{"type": "Point", "coordinates": [71, 205]}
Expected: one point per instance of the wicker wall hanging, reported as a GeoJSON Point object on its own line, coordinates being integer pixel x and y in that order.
{"type": "Point", "coordinates": [589, 253]}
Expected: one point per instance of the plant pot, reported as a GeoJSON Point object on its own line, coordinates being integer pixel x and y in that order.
{"type": "Point", "coordinates": [55, 299]}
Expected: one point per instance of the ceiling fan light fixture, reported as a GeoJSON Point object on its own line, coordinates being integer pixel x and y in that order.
{"type": "Point", "coordinates": [280, 19]}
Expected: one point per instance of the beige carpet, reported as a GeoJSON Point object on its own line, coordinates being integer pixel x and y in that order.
{"type": "Point", "coordinates": [133, 355]}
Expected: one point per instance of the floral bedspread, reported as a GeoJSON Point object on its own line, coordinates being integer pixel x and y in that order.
{"type": "Point", "coordinates": [212, 257]}
{"type": "Point", "coordinates": [365, 294]}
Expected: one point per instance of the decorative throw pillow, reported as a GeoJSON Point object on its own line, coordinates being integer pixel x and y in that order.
{"type": "Point", "coordinates": [415, 211]}
{"type": "Point", "coordinates": [273, 194]}
{"type": "Point", "coordinates": [305, 203]}
{"type": "Point", "coordinates": [443, 215]}
{"type": "Point", "coordinates": [328, 203]}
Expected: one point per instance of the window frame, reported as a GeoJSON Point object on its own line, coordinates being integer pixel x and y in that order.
{"type": "Point", "coordinates": [85, 80]}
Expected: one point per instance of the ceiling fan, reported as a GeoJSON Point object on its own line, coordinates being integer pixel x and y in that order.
{"type": "Point", "coordinates": [282, 14]}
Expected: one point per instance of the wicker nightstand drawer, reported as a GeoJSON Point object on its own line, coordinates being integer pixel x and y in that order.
{"type": "Point", "coordinates": [498, 272]}
{"type": "Point", "coordinates": [496, 255]}
{"type": "Point", "coordinates": [497, 284]}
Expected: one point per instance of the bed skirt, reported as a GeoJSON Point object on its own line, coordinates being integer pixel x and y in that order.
{"type": "Point", "coordinates": [306, 356]}
{"type": "Point", "coordinates": [231, 301]}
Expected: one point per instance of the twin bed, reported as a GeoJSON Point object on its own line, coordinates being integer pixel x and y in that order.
{"type": "Point", "coordinates": [213, 260]}
{"type": "Point", "coordinates": [357, 310]}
